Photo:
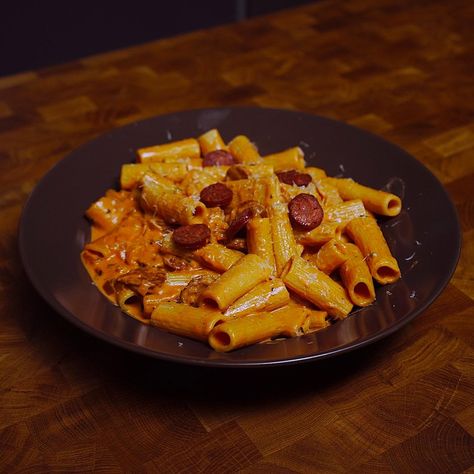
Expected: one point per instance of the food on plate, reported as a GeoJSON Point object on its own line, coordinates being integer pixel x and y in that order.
{"type": "Point", "coordinates": [212, 241]}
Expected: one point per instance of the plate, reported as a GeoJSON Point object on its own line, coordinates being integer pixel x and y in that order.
{"type": "Point", "coordinates": [425, 237]}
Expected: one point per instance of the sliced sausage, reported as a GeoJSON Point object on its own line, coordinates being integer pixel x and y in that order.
{"type": "Point", "coordinates": [305, 212]}
{"type": "Point", "coordinates": [218, 158]}
{"type": "Point", "coordinates": [216, 195]}
{"type": "Point", "coordinates": [236, 172]}
{"type": "Point", "coordinates": [294, 177]}
{"type": "Point", "coordinates": [192, 236]}
{"type": "Point", "coordinates": [246, 211]}
{"type": "Point", "coordinates": [239, 223]}
{"type": "Point", "coordinates": [302, 179]}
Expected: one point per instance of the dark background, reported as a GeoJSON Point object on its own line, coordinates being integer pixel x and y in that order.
{"type": "Point", "coordinates": [35, 34]}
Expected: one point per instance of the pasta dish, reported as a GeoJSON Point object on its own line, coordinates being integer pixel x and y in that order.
{"type": "Point", "coordinates": [212, 241]}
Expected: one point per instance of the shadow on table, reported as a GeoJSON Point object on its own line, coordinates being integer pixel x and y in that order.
{"type": "Point", "coordinates": [156, 379]}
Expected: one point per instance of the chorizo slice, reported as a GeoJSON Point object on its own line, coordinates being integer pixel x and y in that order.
{"type": "Point", "coordinates": [246, 211]}
{"type": "Point", "coordinates": [239, 223]}
{"type": "Point", "coordinates": [236, 172]}
{"type": "Point", "coordinates": [305, 212]}
{"type": "Point", "coordinates": [218, 158]}
{"type": "Point", "coordinates": [192, 236]}
{"type": "Point", "coordinates": [294, 177]}
{"type": "Point", "coordinates": [216, 195]}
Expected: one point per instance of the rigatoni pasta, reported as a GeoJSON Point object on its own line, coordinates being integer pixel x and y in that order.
{"type": "Point", "coordinates": [380, 202]}
{"type": "Point", "coordinates": [211, 240]}
{"type": "Point", "coordinates": [182, 149]}
{"type": "Point", "coordinates": [369, 238]}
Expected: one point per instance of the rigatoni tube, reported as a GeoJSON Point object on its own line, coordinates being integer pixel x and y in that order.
{"type": "Point", "coordinates": [293, 158]}
{"type": "Point", "coordinates": [345, 211]}
{"type": "Point", "coordinates": [366, 233]}
{"type": "Point", "coordinates": [356, 277]}
{"type": "Point", "coordinates": [211, 141]}
{"type": "Point", "coordinates": [320, 235]}
{"type": "Point", "coordinates": [240, 332]}
{"type": "Point", "coordinates": [248, 272]}
{"type": "Point", "coordinates": [313, 285]}
{"type": "Point", "coordinates": [170, 204]}
{"type": "Point", "coordinates": [132, 173]}
{"type": "Point", "coordinates": [266, 296]}
{"type": "Point", "coordinates": [188, 148]}
{"type": "Point", "coordinates": [131, 303]}
{"type": "Point", "coordinates": [284, 243]}
{"type": "Point", "coordinates": [331, 255]}
{"type": "Point", "coordinates": [243, 150]}
{"type": "Point", "coordinates": [259, 239]}
{"type": "Point", "coordinates": [185, 320]}
{"type": "Point", "coordinates": [218, 257]}
{"type": "Point", "coordinates": [380, 202]}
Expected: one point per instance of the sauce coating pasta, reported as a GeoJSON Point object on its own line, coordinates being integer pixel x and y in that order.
{"type": "Point", "coordinates": [215, 242]}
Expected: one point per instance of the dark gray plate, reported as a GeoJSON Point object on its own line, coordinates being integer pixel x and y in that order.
{"type": "Point", "coordinates": [425, 237]}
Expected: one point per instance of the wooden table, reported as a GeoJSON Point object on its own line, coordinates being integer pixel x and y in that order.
{"type": "Point", "coordinates": [68, 402]}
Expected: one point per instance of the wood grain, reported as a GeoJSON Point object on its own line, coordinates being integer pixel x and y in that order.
{"type": "Point", "coordinates": [401, 69]}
